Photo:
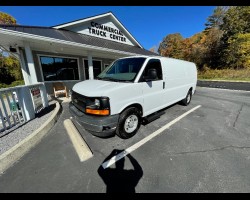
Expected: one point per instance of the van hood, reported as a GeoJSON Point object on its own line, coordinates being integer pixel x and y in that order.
{"type": "Point", "coordinates": [97, 88]}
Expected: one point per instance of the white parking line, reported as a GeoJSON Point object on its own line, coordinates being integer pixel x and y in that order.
{"type": "Point", "coordinates": [146, 139]}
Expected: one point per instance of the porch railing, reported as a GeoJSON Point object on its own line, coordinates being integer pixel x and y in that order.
{"type": "Point", "coordinates": [20, 104]}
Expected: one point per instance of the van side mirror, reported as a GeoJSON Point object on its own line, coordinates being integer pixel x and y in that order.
{"type": "Point", "coordinates": [152, 75]}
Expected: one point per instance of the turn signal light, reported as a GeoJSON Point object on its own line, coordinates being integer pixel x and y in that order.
{"type": "Point", "coordinates": [97, 112]}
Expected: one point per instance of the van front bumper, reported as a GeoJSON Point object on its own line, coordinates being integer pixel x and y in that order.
{"type": "Point", "coordinates": [101, 126]}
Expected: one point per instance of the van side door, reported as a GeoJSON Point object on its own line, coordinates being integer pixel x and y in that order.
{"type": "Point", "coordinates": [152, 89]}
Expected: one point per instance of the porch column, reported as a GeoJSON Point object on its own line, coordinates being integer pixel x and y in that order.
{"type": "Point", "coordinates": [90, 64]}
{"type": "Point", "coordinates": [24, 68]}
{"type": "Point", "coordinates": [30, 62]}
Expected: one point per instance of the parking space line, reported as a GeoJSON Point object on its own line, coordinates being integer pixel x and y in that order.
{"type": "Point", "coordinates": [146, 139]}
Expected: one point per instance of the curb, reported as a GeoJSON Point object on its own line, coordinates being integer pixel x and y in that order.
{"type": "Point", "coordinates": [242, 86]}
{"type": "Point", "coordinates": [8, 158]}
{"type": "Point", "coordinates": [82, 149]}
{"type": "Point", "coordinates": [230, 81]}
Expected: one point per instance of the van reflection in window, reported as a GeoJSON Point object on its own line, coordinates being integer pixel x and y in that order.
{"type": "Point", "coordinates": [54, 68]}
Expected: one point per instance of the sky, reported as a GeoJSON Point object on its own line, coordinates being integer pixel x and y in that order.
{"type": "Point", "coordinates": [148, 24]}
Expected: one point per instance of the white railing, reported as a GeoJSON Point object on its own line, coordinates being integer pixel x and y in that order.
{"type": "Point", "coordinates": [20, 104]}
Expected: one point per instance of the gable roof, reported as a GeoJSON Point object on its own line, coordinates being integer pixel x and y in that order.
{"type": "Point", "coordinates": [79, 21]}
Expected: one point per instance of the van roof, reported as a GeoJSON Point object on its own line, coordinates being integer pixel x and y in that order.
{"type": "Point", "coordinates": [160, 57]}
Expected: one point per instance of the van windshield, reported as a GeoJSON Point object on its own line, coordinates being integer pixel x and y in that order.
{"type": "Point", "coordinates": [122, 70]}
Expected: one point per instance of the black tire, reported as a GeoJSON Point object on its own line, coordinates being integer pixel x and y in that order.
{"type": "Point", "coordinates": [128, 114]}
{"type": "Point", "coordinates": [187, 99]}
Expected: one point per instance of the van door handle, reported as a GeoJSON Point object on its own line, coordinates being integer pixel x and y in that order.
{"type": "Point", "coordinates": [163, 85]}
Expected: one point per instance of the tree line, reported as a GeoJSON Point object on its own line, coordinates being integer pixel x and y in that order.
{"type": "Point", "coordinates": [224, 43]}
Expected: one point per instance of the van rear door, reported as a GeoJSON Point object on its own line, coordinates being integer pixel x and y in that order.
{"type": "Point", "coordinates": [152, 90]}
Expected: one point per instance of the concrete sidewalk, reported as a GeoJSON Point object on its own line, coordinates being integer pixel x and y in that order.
{"type": "Point", "coordinates": [20, 139]}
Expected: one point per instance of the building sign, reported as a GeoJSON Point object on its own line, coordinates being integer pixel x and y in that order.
{"type": "Point", "coordinates": [105, 31]}
{"type": "Point", "coordinates": [37, 99]}
{"type": "Point", "coordinates": [104, 28]}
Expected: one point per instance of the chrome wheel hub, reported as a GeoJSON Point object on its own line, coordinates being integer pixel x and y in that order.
{"type": "Point", "coordinates": [131, 123]}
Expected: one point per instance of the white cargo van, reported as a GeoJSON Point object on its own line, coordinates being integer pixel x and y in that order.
{"type": "Point", "coordinates": [130, 90]}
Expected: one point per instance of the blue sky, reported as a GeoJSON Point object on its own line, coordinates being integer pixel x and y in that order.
{"type": "Point", "coordinates": [148, 24]}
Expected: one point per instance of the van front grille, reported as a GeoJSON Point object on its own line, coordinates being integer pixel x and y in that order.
{"type": "Point", "coordinates": [79, 101]}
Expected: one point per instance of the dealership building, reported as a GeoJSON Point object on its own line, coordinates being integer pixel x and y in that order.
{"type": "Point", "coordinates": [69, 52]}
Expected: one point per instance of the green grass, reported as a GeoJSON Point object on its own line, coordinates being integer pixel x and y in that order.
{"type": "Point", "coordinates": [225, 74]}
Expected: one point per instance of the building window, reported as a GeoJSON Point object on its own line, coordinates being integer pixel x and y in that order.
{"type": "Point", "coordinates": [58, 68]}
{"type": "Point", "coordinates": [97, 68]}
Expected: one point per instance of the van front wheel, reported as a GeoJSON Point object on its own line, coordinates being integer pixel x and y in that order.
{"type": "Point", "coordinates": [129, 122]}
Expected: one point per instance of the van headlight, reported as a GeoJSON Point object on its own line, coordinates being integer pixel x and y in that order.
{"type": "Point", "coordinates": [98, 106]}
{"type": "Point", "coordinates": [97, 102]}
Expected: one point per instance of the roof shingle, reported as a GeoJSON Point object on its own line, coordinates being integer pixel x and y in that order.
{"type": "Point", "coordinates": [77, 37]}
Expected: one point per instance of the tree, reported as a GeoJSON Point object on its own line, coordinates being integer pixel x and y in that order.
{"type": "Point", "coordinates": [191, 49]}
{"type": "Point", "coordinates": [216, 19]}
{"type": "Point", "coordinates": [6, 19]}
{"type": "Point", "coordinates": [236, 20]}
{"type": "Point", "coordinates": [235, 39]}
{"type": "Point", "coordinates": [5, 74]}
{"type": "Point", "coordinates": [213, 34]}
{"type": "Point", "coordinates": [10, 69]}
{"type": "Point", "coordinates": [14, 67]}
{"type": "Point", "coordinates": [153, 49]}
{"type": "Point", "coordinates": [171, 46]}
{"type": "Point", "coordinates": [238, 51]}
{"type": "Point", "coordinates": [225, 42]}
{"type": "Point", "coordinates": [213, 47]}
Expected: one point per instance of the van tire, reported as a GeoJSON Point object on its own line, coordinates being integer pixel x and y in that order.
{"type": "Point", "coordinates": [187, 99]}
{"type": "Point", "coordinates": [129, 122]}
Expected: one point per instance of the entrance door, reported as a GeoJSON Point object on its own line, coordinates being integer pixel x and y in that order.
{"type": "Point", "coordinates": [97, 68]}
{"type": "Point", "coordinates": [152, 90]}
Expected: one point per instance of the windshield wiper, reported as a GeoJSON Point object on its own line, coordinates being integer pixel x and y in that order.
{"type": "Point", "coordinates": [112, 79]}
{"type": "Point", "coordinates": [109, 79]}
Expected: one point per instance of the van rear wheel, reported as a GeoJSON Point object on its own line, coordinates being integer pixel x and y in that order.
{"type": "Point", "coordinates": [187, 99]}
{"type": "Point", "coordinates": [129, 122]}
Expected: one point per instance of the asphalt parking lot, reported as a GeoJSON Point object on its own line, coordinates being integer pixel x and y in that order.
{"type": "Point", "coordinates": [206, 151]}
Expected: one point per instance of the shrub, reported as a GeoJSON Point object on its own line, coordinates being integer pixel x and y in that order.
{"type": "Point", "coordinates": [226, 74]}
{"type": "Point", "coordinates": [13, 84]}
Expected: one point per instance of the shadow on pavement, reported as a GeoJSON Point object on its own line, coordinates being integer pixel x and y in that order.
{"type": "Point", "coordinates": [118, 179]}
{"type": "Point", "coordinates": [46, 110]}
